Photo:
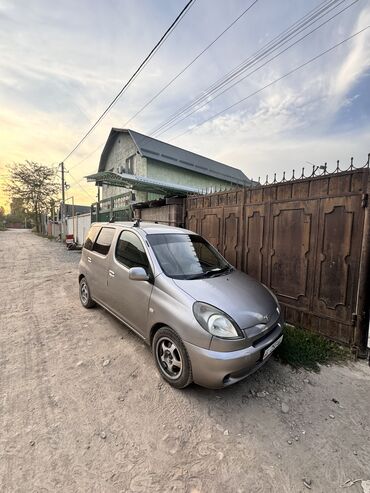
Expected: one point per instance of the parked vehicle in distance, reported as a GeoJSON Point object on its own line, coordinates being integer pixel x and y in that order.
{"type": "Point", "coordinates": [205, 321]}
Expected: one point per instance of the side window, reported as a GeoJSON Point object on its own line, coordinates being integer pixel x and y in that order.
{"type": "Point", "coordinates": [91, 237]}
{"type": "Point", "coordinates": [130, 251]}
{"type": "Point", "coordinates": [104, 241]}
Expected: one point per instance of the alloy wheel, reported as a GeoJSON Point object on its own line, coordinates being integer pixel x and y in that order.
{"type": "Point", "coordinates": [169, 358]}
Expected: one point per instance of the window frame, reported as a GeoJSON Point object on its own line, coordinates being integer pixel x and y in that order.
{"type": "Point", "coordinates": [97, 237]}
{"type": "Point", "coordinates": [97, 234]}
{"type": "Point", "coordinates": [130, 165]}
{"type": "Point", "coordinates": [150, 272]}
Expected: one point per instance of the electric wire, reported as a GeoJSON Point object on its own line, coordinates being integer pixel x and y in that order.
{"type": "Point", "coordinates": [81, 187]}
{"type": "Point", "coordinates": [189, 64]}
{"type": "Point", "coordinates": [273, 82]}
{"type": "Point", "coordinates": [196, 104]}
{"type": "Point", "coordinates": [296, 28]}
{"type": "Point", "coordinates": [135, 74]}
{"type": "Point", "coordinates": [302, 23]}
{"type": "Point", "coordinates": [174, 78]}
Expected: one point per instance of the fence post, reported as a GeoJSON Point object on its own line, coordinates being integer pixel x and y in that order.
{"type": "Point", "coordinates": [111, 213]}
{"type": "Point", "coordinates": [363, 292]}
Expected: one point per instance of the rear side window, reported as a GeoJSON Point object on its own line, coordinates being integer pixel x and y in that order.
{"type": "Point", "coordinates": [130, 251]}
{"type": "Point", "coordinates": [104, 241]}
{"type": "Point", "coordinates": [91, 237]}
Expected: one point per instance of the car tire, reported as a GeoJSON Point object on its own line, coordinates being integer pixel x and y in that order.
{"type": "Point", "coordinates": [171, 358]}
{"type": "Point", "coordinates": [85, 297]}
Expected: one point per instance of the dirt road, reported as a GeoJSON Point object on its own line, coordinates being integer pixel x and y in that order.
{"type": "Point", "coordinates": [83, 409]}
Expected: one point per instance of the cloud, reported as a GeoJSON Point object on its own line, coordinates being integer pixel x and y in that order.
{"type": "Point", "coordinates": [357, 60]}
{"type": "Point", "coordinates": [61, 66]}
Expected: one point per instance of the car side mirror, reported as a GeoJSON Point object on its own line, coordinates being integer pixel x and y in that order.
{"type": "Point", "coordinates": [138, 274]}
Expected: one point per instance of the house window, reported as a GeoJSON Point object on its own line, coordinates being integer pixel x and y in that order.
{"type": "Point", "coordinates": [130, 165]}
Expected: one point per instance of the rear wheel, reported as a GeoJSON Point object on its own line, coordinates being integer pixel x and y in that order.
{"type": "Point", "coordinates": [85, 297]}
{"type": "Point", "coordinates": [172, 358]}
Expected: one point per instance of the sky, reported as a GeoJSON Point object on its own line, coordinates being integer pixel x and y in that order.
{"type": "Point", "coordinates": [63, 62]}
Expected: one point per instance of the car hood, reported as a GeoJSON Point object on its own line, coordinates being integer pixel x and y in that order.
{"type": "Point", "coordinates": [243, 298]}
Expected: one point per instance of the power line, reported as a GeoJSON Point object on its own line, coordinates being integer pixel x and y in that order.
{"type": "Point", "coordinates": [273, 82]}
{"type": "Point", "coordinates": [82, 188]}
{"type": "Point", "coordinates": [246, 63]}
{"type": "Point", "coordinates": [293, 30]}
{"type": "Point", "coordinates": [138, 70]}
{"type": "Point", "coordinates": [189, 64]}
{"type": "Point", "coordinates": [250, 62]}
{"type": "Point", "coordinates": [88, 156]}
{"type": "Point", "coordinates": [175, 77]}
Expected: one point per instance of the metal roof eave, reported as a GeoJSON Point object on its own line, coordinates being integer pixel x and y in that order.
{"type": "Point", "coordinates": [140, 183]}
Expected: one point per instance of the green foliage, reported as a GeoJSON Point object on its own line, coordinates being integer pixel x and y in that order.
{"type": "Point", "coordinates": [18, 209]}
{"type": "Point", "coordinates": [303, 349]}
{"type": "Point", "coordinates": [2, 218]}
{"type": "Point", "coordinates": [33, 188]}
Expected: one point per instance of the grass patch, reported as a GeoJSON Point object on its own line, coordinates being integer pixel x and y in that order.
{"type": "Point", "coordinates": [303, 349]}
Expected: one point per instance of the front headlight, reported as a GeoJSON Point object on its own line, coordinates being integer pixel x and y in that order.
{"type": "Point", "coordinates": [215, 321]}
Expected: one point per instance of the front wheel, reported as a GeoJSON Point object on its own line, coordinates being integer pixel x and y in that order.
{"type": "Point", "coordinates": [85, 296]}
{"type": "Point", "coordinates": [172, 358]}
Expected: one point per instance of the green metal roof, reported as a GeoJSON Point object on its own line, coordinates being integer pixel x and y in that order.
{"type": "Point", "coordinates": [140, 183]}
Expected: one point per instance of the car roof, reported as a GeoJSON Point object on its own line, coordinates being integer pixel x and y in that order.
{"type": "Point", "coordinates": [147, 227]}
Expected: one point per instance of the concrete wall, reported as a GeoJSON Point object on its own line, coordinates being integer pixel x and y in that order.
{"type": "Point", "coordinates": [54, 229]}
{"type": "Point", "coordinates": [79, 226]}
{"type": "Point", "coordinates": [122, 149]}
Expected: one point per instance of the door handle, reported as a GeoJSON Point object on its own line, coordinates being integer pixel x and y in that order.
{"type": "Point", "coordinates": [89, 259]}
{"type": "Point", "coordinates": [111, 273]}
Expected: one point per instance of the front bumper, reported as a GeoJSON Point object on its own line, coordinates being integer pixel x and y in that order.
{"type": "Point", "coordinates": [217, 369]}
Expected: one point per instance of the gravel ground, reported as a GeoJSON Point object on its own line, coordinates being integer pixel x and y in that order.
{"type": "Point", "coordinates": [82, 407]}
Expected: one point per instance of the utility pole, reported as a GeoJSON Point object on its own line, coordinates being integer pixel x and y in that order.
{"type": "Point", "coordinates": [62, 204]}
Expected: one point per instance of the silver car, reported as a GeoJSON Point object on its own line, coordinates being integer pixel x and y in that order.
{"type": "Point", "coordinates": [205, 321]}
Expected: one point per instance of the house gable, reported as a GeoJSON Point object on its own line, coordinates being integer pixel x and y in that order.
{"type": "Point", "coordinates": [158, 151]}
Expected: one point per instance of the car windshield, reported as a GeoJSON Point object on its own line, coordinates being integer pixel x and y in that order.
{"type": "Point", "coordinates": [184, 256]}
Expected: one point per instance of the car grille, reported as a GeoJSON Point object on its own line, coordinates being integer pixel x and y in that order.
{"type": "Point", "coordinates": [259, 340]}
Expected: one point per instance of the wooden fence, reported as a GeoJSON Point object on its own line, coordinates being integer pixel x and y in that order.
{"type": "Point", "coordinates": [307, 239]}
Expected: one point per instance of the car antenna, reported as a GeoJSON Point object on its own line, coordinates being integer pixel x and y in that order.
{"type": "Point", "coordinates": [137, 223]}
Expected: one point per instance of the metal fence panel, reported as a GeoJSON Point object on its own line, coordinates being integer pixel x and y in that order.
{"type": "Point", "coordinates": [303, 238]}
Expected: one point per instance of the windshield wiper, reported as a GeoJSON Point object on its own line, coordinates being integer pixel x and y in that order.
{"type": "Point", "coordinates": [211, 273]}
{"type": "Point", "coordinates": [218, 271]}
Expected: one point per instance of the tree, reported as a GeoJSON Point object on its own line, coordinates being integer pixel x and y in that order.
{"type": "Point", "coordinates": [34, 186]}
{"type": "Point", "coordinates": [2, 217]}
{"type": "Point", "coordinates": [17, 208]}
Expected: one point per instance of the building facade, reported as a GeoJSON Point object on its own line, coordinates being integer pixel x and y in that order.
{"type": "Point", "coordinates": [128, 155]}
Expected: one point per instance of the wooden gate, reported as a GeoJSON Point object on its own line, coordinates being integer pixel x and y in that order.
{"type": "Point", "coordinates": [307, 239]}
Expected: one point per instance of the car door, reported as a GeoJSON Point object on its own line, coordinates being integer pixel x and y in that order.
{"type": "Point", "coordinates": [129, 299]}
{"type": "Point", "coordinates": [86, 258]}
{"type": "Point", "coordinates": [99, 263]}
